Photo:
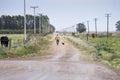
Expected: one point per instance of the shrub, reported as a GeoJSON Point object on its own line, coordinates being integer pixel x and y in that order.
{"type": "Point", "coordinates": [115, 62]}
{"type": "Point", "coordinates": [106, 56]}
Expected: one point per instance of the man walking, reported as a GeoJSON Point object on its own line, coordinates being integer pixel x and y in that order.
{"type": "Point", "coordinates": [57, 38]}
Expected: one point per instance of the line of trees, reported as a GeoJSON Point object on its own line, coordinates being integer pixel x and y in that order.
{"type": "Point", "coordinates": [15, 24]}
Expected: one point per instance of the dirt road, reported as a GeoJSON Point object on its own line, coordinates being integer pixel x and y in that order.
{"type": "Point", "coordinates": [64, 64]}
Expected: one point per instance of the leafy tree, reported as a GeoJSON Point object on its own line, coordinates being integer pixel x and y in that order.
{"type": "Point", "coordinates": [118, 26]}
{"type": "Point", "coordinates": [14, 23]}
{"type": "Point", "coordinates": [0, 23]}
{"type": "Point", "coordinates": [30, 21]}
{"type": "Point", "coordinates": [81, 28]}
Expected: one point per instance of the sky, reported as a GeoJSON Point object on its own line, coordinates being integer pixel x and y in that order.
{"type": "Point", "coordinates": [67, 13]}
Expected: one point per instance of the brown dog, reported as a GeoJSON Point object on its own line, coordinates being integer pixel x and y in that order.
{"type": "Point", "coordinates": [63, 43]}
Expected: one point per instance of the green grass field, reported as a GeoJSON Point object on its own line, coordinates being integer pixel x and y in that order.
{"type": "Point", "coordinates": [107, 48]}
{"type": "Point", "coordinates": [35, 46]}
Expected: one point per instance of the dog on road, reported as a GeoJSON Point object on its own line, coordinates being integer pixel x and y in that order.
{"type": "Point", "coordinates": [63, 43]}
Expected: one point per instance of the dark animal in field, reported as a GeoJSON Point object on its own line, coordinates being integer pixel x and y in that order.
{"type": "Point", "coordinates": [73, 34]}
{"type": "Point", "coordinates": [93, 35]}
{"type": "Point", "coordinates": [4, 41]}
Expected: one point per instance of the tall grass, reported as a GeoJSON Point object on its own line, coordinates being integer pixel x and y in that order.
{"type": "Point", "coordinates": [107, 49]}
{"type": "Point", "coordinates": [37, 45]}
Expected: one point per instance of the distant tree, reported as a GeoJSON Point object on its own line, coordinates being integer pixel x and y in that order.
{"type": "Point", "coordinates": [52, 28]}
{"type": "Point", "coordinates": [0, 23]}
{"type": "Point", "coordinates": [81, 28]}
{"type": "Point", "coordinates": [118, 26]}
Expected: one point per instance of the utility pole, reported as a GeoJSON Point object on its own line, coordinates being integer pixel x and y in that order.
{"type": "Point", "coordinates": [96, 25]}
{"type": "Point", "coordinates": [45, 20]}
{"type": "Point", "coordinates": [88, 30]}
{"type": "Point", "coordinates": [83, 32]}
{"type": "Point", "coordinates": [74, 28]}
{"type": "Point", "coordinates": [25, 20]}
{"type": "Point", "coordinates": [34, 7]}
{"type": "Point", "coordinates": [48, 28]}
{"type": "Point", "coordinates": [39, 23]}
{"type": "Point", "coordinates": [48, 25]}
{"type": "Point", "coordinates": [107, 15]}
{"type": "Point", "coordinates": [88, 26]}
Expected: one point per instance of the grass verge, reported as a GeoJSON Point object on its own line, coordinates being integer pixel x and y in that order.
{"type": "Point", "coordinates": [36, 46]}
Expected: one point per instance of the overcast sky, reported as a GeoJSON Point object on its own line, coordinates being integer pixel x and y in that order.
{"type": "Point", "coordinates": [66, 13]}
